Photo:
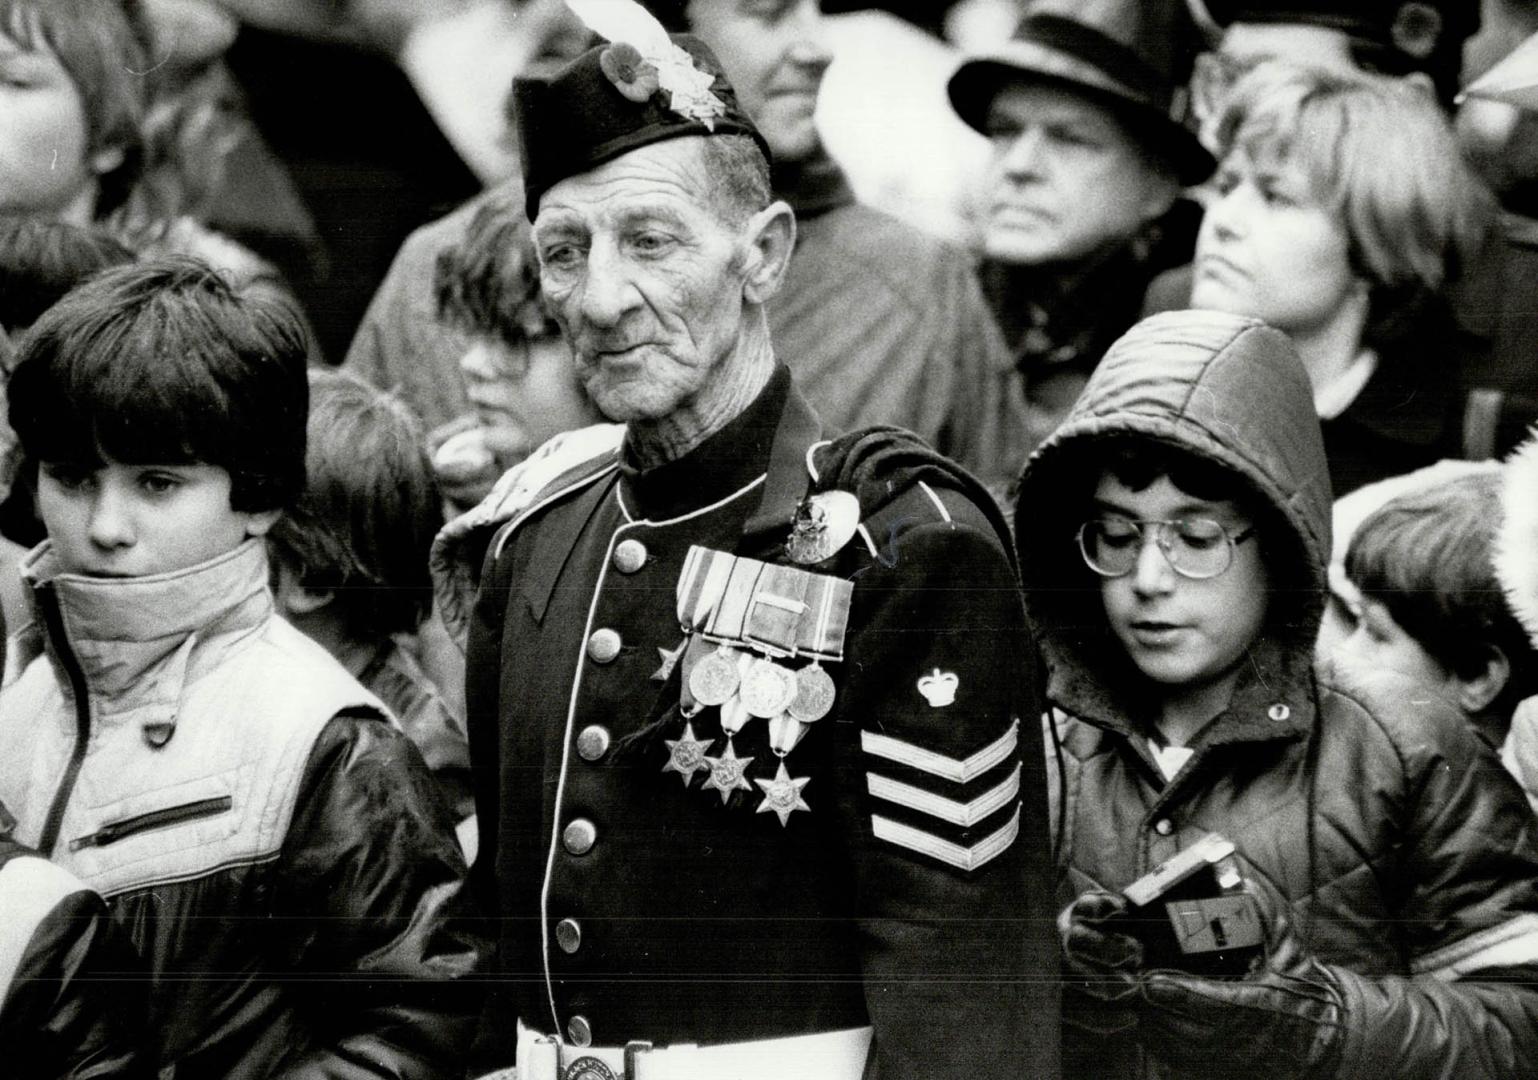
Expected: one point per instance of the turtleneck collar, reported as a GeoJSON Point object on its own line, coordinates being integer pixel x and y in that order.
{"type": "Point", "coordinates": [123, 631]}
{"type": "Point", "coordinates": [726, 462]}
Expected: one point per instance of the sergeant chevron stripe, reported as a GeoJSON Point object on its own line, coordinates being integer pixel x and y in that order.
{"type": "Point", "coordinates": [963, 858]}
{"type": "Point", "coordinates": [947, 768]}
{"type": "Point", "coordinates": [965, 814]}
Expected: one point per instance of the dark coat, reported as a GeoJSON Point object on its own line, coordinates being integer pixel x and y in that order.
{"type": "Point", "coordinates": [64, 1014]}
{"type": "Point", "coordinates": [1364, 806]}
{"type": "Point", "coordinates": [708, 922]}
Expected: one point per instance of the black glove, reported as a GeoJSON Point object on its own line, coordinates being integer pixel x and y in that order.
{"type": "Point", "coordinates": [1286, 1019]}
{"type": "Point", "coordinates": [1100, 965]}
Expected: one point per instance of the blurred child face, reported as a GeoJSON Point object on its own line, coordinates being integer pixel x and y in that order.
{"type": "Point", "coordinates": [1066, 181]}
{"type": "Point", "coordinates": [524, 393]}
{"type": "Point", "coordinates": [1183, 634]}
{"type": "Point", "coordinates": [1269, 249]}
{"type": "Point", "coordinates": [46, 164]}
{"type": "Point", "coordinates": [120, 520]}
{"type": "Point", "coordinates": [1379, 642]}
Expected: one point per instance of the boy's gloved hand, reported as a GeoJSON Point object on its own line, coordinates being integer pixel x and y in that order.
{"type": "Point", "coordinates": [1101, 966]}
{"type": "Point", "coordinates": [1286, 1019]}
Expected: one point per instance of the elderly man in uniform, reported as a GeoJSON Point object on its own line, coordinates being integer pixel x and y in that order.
{"type": "Point", "coordinates": [755, 797]}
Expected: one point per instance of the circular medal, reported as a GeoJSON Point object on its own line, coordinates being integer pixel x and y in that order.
{"type": "Point", "coordinates": [814, 694]}
{"type": "Point", "coordinates": [767, 689]}
{"type": "Point", "coordinates": [714, 679]}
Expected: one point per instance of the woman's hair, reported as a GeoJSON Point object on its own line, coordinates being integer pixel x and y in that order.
{"type": "Point", "coordinates": [162, 362]}
{"type": "Point", "coordinates": [104, 47]}
{"type": "Point", "coordinates": [488, 283]}
{"type": "Point", "coordinates": [370, 508]}
{"type": "Point", "coordinates": [1378, 152]}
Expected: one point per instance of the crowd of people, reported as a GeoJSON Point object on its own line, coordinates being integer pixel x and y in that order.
{"type": "Point", "coordinates": [712, 619]}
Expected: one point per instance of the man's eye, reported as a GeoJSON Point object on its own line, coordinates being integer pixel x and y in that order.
{"type": "Point", "coordinates": [67, 478]}
{"type": "Point", "coordinates": [561, 256]}
{"type": "Point", "coordinates": [1117, 535]}
{"type": "Point", "coordinates": [651, 243]}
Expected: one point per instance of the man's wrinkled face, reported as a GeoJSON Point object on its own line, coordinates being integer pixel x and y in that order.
{"type": "Point", "coordinates": [644, 277]}
{"type": "Point", "coordinates": [1066, 181]}
{"type": "Point", "coordinates": [773, 54]}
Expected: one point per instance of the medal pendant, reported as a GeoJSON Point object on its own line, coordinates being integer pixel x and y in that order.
{"type": "Point", "coordinates": [727, 773]}
{"type": "Point", "coordinates": [785, 731]}
{"type": "Point", "coordinates": [686, 756]}
{"type": "Point", "coordinates": [715, 678]}
{"type": "Point", "coordinates": [814, 694]}
{"type": "Point", "coordinates": [734, 715]}
{"type": "Point", "coordinates": [767, 689]}
{"type": "Point", "coordinates": [823, 524]}
{"type": "Point", "coordinates": [782, 795]}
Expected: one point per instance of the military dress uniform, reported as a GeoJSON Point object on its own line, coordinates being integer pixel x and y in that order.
{"type": "Point", "coordinates": [883, 866]}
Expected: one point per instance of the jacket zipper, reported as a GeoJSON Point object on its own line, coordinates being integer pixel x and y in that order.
{"type": "Point", "coordinates": [155, 819]}
{"type": "Point", "coordinates": [53, 621]}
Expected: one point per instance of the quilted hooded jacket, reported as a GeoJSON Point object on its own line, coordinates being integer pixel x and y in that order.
{"type": "Point", "coordinates": [1369, 811]}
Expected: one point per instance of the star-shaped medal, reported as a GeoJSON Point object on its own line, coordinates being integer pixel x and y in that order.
{"type": "Point", "coordinates": [669, 661]}
{"type": "Point", "coordinates": [686, 756]}
{"type": "Point", "coordinates": [726, 773]}
{"type": "Point", "coordinates": [783, 794]}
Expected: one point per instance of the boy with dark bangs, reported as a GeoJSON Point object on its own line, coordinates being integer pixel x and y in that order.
{"type": "Point", "coordinates": [249, 812]}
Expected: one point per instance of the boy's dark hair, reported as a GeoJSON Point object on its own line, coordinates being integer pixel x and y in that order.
{"type": "Point", "coordinates": [369, 512]}
{"type": "Point", "coordinates": [488, 283]}
{"type": "Point", "coordinates": [1138, 463]}
{"type": "Point", "coordinates": [104, 47]}
{"type": "Point", "coordinates": [1427, 557]}
{"type": "Point", "coordinates": [166, 361]}
{"type": "Point", "coordinates": [42, 260]}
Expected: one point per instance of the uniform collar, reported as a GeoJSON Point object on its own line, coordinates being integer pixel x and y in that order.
{"type": "Point", "coordinates": [727, 462]}
{"type": "Point", "coordinates": [814, 186]}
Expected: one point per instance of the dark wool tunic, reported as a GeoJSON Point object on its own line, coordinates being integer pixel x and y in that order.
{"type": "Point", "coordinates": [683, 918]}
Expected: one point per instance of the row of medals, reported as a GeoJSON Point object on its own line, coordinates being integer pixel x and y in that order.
{"type": "Point", "coordinates": [744, 687]}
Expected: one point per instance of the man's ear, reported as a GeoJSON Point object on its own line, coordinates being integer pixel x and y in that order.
{"type": "Point", "coordinates": [1476, 692]}
{"type": "Point", "coordinates": [771, 236]}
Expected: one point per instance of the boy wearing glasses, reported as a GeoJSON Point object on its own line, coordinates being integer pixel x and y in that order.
{"type": "Point", "coordinates": [1390, 861]}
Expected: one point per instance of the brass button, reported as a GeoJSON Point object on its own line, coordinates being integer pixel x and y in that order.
{"type": "Point", "coordinates": [568, 935]}
{"type": "Point", "coordinates": [579, 836]}
{"type": "Point", "coordinates": [629, 556]}
{"type": "Point", "coordinates": [1164, 826]}
{"type": "Point", "coordinates": [579, 1032]}
{"type": "Point", "coordinates": [603, 646]}
{"type": "Point", "coordinates": [592, 742]}
{"type": "Point", "coordinates": [1279, 712]}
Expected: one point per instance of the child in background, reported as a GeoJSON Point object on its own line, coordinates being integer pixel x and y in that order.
{"type": "Point", "coordinates": [350, 560]}
{"type": "Point", "coordinates": [1432, 607]}
{"type": "Point", "coordinates": [267, 837]}
{"type": "Point", "coordinates": [518, 371]}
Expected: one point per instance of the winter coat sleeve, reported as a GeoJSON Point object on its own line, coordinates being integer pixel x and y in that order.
{"type": "Point", "coordinates": [945, 811]}
{"type": "Point", "coordinates": [1469, 1008]}
{"type": "Point", "coordinates": [70, 1011]}
{"type": "Point", "coordinates": [369, 873]}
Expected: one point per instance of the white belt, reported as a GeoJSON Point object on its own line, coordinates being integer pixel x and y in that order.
{"type": "Point", "coordinates": [831, 1055]}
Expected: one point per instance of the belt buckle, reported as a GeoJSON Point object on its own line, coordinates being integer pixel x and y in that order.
{"type": "Point", "coordinates": [589, 1067]}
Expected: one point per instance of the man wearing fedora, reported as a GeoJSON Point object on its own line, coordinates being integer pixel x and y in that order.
{"type": "Point", "coordinates": [758, 782]}
{"type": "Point", "coordinates": [1084, 106]}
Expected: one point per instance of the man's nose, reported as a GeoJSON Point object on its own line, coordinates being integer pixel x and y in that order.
{"type": "Point", "coordinates": [1023, 157]}
{"type": "Point", "coordinates": [608, 291]}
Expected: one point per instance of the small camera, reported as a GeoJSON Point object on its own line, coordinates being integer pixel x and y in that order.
{"type": "Point", "coordinates": [1191, 913]}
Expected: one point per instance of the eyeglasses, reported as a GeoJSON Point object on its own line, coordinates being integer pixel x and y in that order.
{"type": "Point", "coordinates": [1194, 547]}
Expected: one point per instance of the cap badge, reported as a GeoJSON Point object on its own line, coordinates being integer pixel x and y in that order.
{"type": "Point", "coordinates": [639, 77]}
{"type": "Point", "coordinates": [939, 688]}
